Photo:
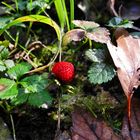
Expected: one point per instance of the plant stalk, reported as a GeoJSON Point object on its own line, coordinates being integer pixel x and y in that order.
{"type": "Point", "coordinates": [71, 13]}
{"type": "Point", "coordinates": [13, 126]}
{"type": "Point", "coordinates": [58, 130]}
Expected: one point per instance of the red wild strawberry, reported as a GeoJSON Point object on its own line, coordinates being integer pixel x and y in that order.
{"type": "Point", "coordinates": [64, 71]}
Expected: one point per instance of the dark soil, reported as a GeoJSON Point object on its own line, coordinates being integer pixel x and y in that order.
{"type": "Point", "coordinates": [34, 124]}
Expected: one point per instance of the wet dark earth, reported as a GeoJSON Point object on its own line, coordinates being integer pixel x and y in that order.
{"type": "Point", "coordinates": [35, 124]}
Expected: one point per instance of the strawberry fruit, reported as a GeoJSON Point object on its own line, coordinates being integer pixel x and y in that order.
{"type": "Point", "coordinates": [64, 71]}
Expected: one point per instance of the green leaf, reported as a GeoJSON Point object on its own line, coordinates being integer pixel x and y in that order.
{"type": "Point", "coordinates": [60, 7]}
{"type": "Point", "coordinates": [135, 34]}
{"type": "Point", "coordinates": [4, 43]}
{"type": "Point", "coordinates": [38, 99]}
{"type": "Point", "coordinates": [20, 98]}
{"type": "Point", "coordinates": [18, 70]}
{"type": "Point", "coordinates": [95, 55]}
{"type": "Point", "coordinates": [36, 3]}
{"type": "Point", "coordinates": [35, 99]}
{"type": "Point", "coordinates": [8, 88]}
{"type": "Point", "coordinates": [34, 83]}
{"type": "Point", "coordinates": [34, 18]}
{"type": "Point", "coordinates": [119, 22]}
{"type": "Point", "coordinates": [22, 5]}
{"type": "Point", "coordinates": [100, 73]}
{"type": "Point", "coordinates": [4, 52]}
{"type": "Point", "coordinates": [9, 63]}
{"type": "Point", "coordinates": [2, 66]}
{"type": "Point", "coordinates": [6, 64]}
{"type": "Point", "coordinates": [5, 20]}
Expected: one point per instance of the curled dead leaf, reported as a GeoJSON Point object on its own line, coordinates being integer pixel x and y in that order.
{"type": "Point", "coordinates": [73, 35]}
{"type": "Point", "coordinates": [127, 60]}
{"type": "Point", "coordinates": [126, 57]}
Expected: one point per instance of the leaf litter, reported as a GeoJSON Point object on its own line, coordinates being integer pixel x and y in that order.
{"type": "Point", "coordinates": [87, 127]}
{"type": "Point", "coordinates": [127, 60]}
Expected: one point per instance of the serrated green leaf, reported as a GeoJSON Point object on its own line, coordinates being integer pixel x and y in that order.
{"type": "Point", "coordinates": [95, 55]}
{"type": "Point", "coordinates": [117, 22]}
{"type": "Point", "coordinates": [9, 63]}
{"type": "Point", "coordinates": [6, 64]}
{"type": "Point", "coordinates": [20, 99]}
{"type": "Point", "coordinates": [34, 83]}
{"type": "Point", "coordinates": [100, 73]}
{"type": "Point", "coordinates": [4, 52]}
{"type": "Point", "coordinates": [8, 88]}
{"type": "Point", "coordinates": [38, 99]}
{"type": "Point", "coordinates": [2, 66]}
{"type": "Point", "coordinates": [18, 70]}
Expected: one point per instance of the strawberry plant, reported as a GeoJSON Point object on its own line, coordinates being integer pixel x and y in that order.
{"type": "Point", "coordinates": [100, 71]}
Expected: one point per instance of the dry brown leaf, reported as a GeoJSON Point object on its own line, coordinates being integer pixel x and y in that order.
{"type": "Point", "coordinates": [126, 57]}
{"type": "Point", "coordinates": [127, 60]}
{"type": "Point", "coordinates": [73, 35]}
{"type": "Point", "coordinates": [134, 132]}
{"type": "Point", "coordinates": [86, 127]}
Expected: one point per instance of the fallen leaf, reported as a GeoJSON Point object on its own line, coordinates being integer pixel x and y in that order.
{"type": "Point", "coordinates": [126, 57]}
{"type": "Point", "coordinates": [86, 127]}
{"type": "Point", "coordinates": [127, 60]}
